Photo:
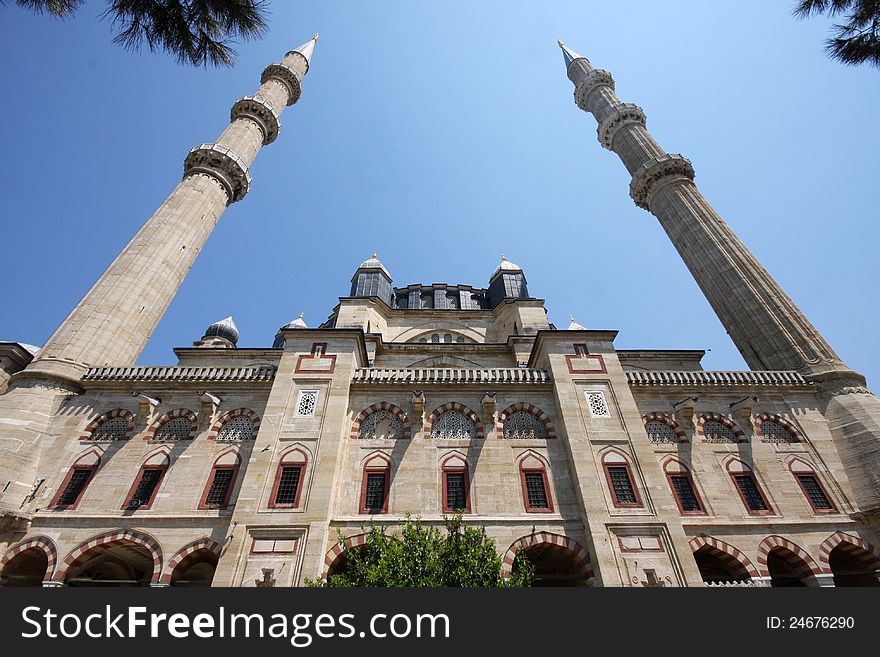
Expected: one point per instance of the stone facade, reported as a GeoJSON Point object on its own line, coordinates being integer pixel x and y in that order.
{"type": "Point", "coordinates": [605, 467]}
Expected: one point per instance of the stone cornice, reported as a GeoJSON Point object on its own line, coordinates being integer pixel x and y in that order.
{"type": "Point", "coordinates": [261, 112]}
{"type": "Point", "coordinates": [180, 374]}
{"type": "Point", "coordinates": [287, 76]}
{"type": "Point", "coordinates": [450, 376]}
{"type": "Point", "coordinates": [622, 115]}
{"type": "Point", "coordinates": [645, 178]}
{"type": "Point", "coordinates": [726, 379]}
{"type": "Point", "coordinates": [224, 165]}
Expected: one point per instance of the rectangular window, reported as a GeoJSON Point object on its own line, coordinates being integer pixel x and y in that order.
{"type": "Point", "coordinates": [306, 403]}
{"type": "Point", "coordinates": [814, 492]}
{"type": "Point", "coordinates": [683, 487]}
{"type": "Point", "coordinates": [750, 492]}
{"type": "Point", "coordinates": [143, 494]}
{"type": "Point", "coordinates": [536, 491]}
{"type": "Point", "coordinates": [219, 491]}
{"type": "Point", "coordinates": [598, 405]}
{"type": "Point", "coordinates": [456, 492]}
{"type": "Point", "coordinates": [621, 486]}
{"type": "Point", "coordinates": [374, 496]}
{"type": "Point", "coordinates": [75, 486]}
{"type": "Point", "coordinates": [288, 485]}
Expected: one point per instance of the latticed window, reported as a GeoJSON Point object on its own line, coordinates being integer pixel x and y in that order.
{"type": "Point", "coordinates": [598, 405]}
{"type": "Point", "coordinates": [456, 493]}
{"type": "Point", "coordinates": [453, 424]}
{"type": "Point", "coordinates": [536, 491]}
{"type": "Point", "coordinates": [177, 428]}
{"type": "Point", "coordinates": [75, 485]}
{"type": "Point", "coordinates": [236, 428]}
{"type": "Point", "coordinates": [115, 428]}
{"type": "Point", "coordinates": [621, 485]}
{"type": "Point", "coordinates": [220, 486]}
{"type": "Point", "coordinates": [814, 492]}
{"type": "Point", "coordinates": [717, 432]}
{"type": "Point", "coordinates": [307, 403]}
{"type": "Point", "coordinates": [522, 424]}
{"type": "Point", "coordinates": [684, 491]}
{"type": "Point", "coordinates": [774, 432]}
{"type": "Point", "coordinates": [381, 424]}
{"type": "Point", "coordinates": [752, 496]}
{"type": "Point", "coordinates": [146, 487]}
{"type": "Point", "coordinates": [288, 484]}
{"type": "Point", "coordinates": [660, 432]}
{"type": "Point", "coordinates": [374, 497]}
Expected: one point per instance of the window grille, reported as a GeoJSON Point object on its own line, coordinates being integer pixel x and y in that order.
{"type": "Point", "coordinates": [748, 487]}
{"type": "Point", "coordinates": [145, 488]}
{"type": "Point", "coordinates": [522, 424]}
{"type": "Point", "coordinates": [307, 403]}
{"type": "Point", "coordinates": [75, 486]}
{"type": "Point", "coordinates": [374, 500]}
{"type": "Point", "coordinates": [237, 428]}
{"type": "Point", "coordinates": [814, 492]}
{"type": "Point", "coordinates": [288, 484]}
{"type": "Point", "coordinates": [381, 424]}
{"type": "Point", "coordinates": [774, 432]}
{"type": "Point", "coordinates": [621, 485]}
{"type": "Point", "coordinates": [219, 487]}
{"type": "Point", "coordinates": [660, 432]}
{"type": "Point", "coordinates": [536, 491]}
{"type": "Point", "coordinates": [113, 429]}
{"type": "Point", "coordinates": [598, 405]}
{"type": "Point", "coordinates": [456, 494]}
{"type": "Point", "coordinates": [177, 428]}
{"type": "Point", "coordinates": [453, 424]}
{"type": "Point", "coordinates": [717, 432]}
{"type": "Point", "coordinates": [684, 491]}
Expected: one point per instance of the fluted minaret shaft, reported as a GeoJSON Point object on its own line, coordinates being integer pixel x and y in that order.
{"type": "Point", "coordinates": [767, 327]}
{"type": "Point", "coordinates": [112, 323]}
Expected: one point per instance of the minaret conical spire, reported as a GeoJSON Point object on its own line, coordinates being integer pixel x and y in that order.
{"type": "Point", "coordinates": [306, 50]}
{"type": "Point", "coordinates": [568, 54]}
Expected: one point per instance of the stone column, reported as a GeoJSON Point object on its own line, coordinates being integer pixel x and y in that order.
{"type": "Point", "coordinates": [766, 326]}
{"type": "Point", "coordinates": [112, 323]}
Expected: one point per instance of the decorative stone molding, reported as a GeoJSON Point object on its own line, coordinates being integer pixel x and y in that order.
{"type": "Point", "coordinates": [449, 375]}
{"type": "Point", "coordinates": [623, 115]}
{"type": "Point", "coordinates": [222, 164]}
{"type": "Point", "coordinates": [286, 76]}
{"type": "Point", "coordinates": [261, 112]}
{"type": "Point", "coordinates": [180, 374]}
{"type": "Point", "coordinates": [593, 80]}
{"type": "Point", "coordinates": [663, 167]}
{"type": "Point", "coordinates": [746, 379]}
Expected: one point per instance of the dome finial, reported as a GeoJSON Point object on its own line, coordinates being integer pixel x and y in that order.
{"type": "Point", "coordinates": [503, 257]}
{"type": "Point", "coordinates": [301, 313]}
{"type": "Point", "coordinates": [375, 256]}
{"type": "Point", "coordinates": [574, 326]}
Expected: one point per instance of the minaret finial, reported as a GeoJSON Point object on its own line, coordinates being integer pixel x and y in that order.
{"type": "Point", "coordinates": [559, 41]}
{"type": "Point", "coordinates": [315, 37]}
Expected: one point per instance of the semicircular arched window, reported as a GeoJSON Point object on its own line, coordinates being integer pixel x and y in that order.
{"type": "Point", "coordinates": [522, 424]}
{"type": "Point", "coordinates": [453, 424]}
{"type": "Point", "coordinates": [115, 428]}
{"type": "Point", "coordinates": [381, 425]}
{"type": "Point", "coordinates": [236, 428]}
{"type": "Point", "coordinates": [177, 428]}
{"type": "Point", "coordinates": [716, 432]}
{"type": "Point", "coordinates": [660, 432]}
{"type": "Point", "coordinates": [775, 432]}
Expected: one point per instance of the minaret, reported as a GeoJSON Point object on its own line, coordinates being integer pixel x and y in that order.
{"type": "Point", "coordinates": [112, 323]}
{"type": "Point", "coordinates": [766, 326]}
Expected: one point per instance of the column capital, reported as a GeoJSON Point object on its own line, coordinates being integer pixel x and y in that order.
{"type": "Point", "coordinates": [287, 76]}
{"type": "Point", "coordinates": [261, 112]}
{"type": "Point", "coordinates": [591, 81]}
{"type": "Point", "coordinates": [657, 169]}
{"type": "Point", "coordinates": [224, 165]}
{"type": "Point", "coordinates": [622, 115]}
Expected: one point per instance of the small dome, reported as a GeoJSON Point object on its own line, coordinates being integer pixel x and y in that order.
{"type": "Point", "coordinates": [298, 323]}
{"type": "Point", "coordinates": [506, 265]}
{"type": "Point", "coordinates": [374, 263]}
{"type": "Point", "coordinates": [574, 326]}
{"type": "Point", "coordinates": [225, 329]}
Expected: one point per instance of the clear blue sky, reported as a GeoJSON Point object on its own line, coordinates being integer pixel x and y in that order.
{"type": "Point", "coordinates": [442, 134]}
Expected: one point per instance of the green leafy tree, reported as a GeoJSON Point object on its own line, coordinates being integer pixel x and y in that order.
{"type": "Point", "coordinates": [197, 32]}
{"type": "Point", "coordinates": [856, 41]}
{"type": "Point", "coordinates": [420, 556]}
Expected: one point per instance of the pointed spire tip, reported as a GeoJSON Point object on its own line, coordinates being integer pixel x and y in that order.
{"type": "Point", "coordinates": [559, 41]}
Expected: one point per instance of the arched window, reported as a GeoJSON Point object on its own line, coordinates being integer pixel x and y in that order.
{"type": "Point", "coordinates": [523, 424]}
{"type": "Point", "coordinates": [773, 430]}
{"type": "Point", "coordinates": [179, 424]}
{"type": "Point", "coordinates": [220, 483]}
{"type": "Point", "coordinates": [236, 426]}
{"type": "Point", "coordinates": [456, 485]}
{"type": "Point", "coordinates": [620, 480]}
{"type": "Point", "coordinates": [427, 301]}
{"type": "Point", "coordinates": [114, 425]}
{"type": "Point", "coordinates": [381, 425]}
{"type": "Point", "coordinates": [749, 490]}
{"type": "Point", "coordinates": [535, 486]}
{"type": "Point", "coordinates": [374, 485]}
{"type": "Point", "coordinates": [71, 490]}
{"type": "Point", "coordinates": [662, 430]}
{"type": "Point", "coordinates": [289, 480]}
{"type": "Point", "coordinates": [452, 301]}
{"type": "Point", "coordinates": [453, 424]}
{"type": "Point", "coordinates": [683, 488]}
{"type": "Point", "coordinates": [143, 491]}
{"type": "Point", "coordinates": [717, 429]}
{"type": "Point", "coordinates": [811, 486]}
